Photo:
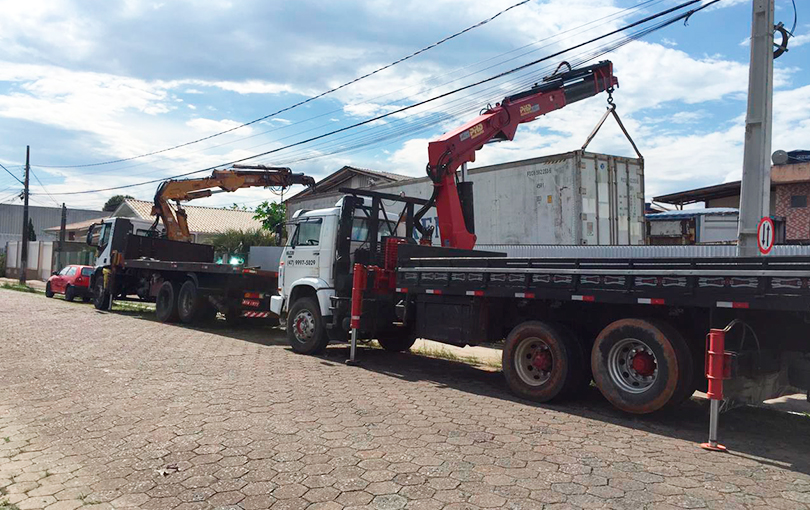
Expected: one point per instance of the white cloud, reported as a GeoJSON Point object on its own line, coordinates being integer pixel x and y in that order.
{"type": "Point", "coordinates": [210, 126]}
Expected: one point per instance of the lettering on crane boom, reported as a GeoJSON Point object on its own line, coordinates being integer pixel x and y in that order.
{"type": "Point", "coordinates": [528, 109]}
{"type": "Point", "coordinates": [474, 131]}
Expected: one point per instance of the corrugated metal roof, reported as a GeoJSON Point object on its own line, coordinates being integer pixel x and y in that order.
{"type": "Point", "coordinates": [691, 213]}
{"type": "Point", "coordinates": [11, 216]}
{"type": "Point", "coordinates": [201, 220]}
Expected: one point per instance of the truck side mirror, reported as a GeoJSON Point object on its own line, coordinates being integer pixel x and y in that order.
{"type": "Point", "coordinates": [89, 240]}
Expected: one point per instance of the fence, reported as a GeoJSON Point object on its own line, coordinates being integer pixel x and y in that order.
{"type": "Point", "coordinates": [43, 258]}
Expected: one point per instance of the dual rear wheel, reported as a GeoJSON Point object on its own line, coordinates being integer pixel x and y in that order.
{"type": "Point", "coordinates": [640, 366]}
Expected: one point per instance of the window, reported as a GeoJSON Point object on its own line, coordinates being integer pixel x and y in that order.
{"type": "Point", "coordinates": [798, 201]}
{"type": "Point", "coordinates": [360, 229]}
{"type": "Point", "coordinates": [71, 271]}
{"type": "Point", "coordinates": [87, 271]}
{"type": "Point", "coordinates": [308, 233]}
{"type": "Point", "coordinates": [64, 271]}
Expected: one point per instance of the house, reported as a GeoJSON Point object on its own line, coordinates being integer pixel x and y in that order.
{"type": "Point", "coordinates": [203, 222]}
{"type": "Point", "coordinates": [74, 231]}
{"type": "Point", "coordinates": [346, 177]}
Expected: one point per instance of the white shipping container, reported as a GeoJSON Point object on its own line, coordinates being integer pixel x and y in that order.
{"type": "Point", "coordinates": [579, 198]}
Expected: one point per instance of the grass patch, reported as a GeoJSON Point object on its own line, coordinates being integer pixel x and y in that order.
{"type": "Point", "coordinates": [5, 505]}
{"type": "Point", "coordinates": [7, 439]}
{"type": "Point", "coordinates": [127, 306]}
{"type": "Point", "coordinates": [442, 353]}
{"type": "Point", "coordinates": [18, 288]}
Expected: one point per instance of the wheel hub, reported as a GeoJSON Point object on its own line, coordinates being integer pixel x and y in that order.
{"type": "Point", "coordinates": [304, 325]}
{"type": "Point", "coordinates": [643, 363]}
{"type": "Point", "coordinates": [632, 365]}
{"type": "Point", "coordinates": [534, 361]}
{"type": "Point", "coordinates": [542, 360]}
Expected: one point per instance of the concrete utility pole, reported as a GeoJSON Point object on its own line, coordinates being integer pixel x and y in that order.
{"type": "Point", "coordinates": [24, 248]}
{"type": "Point", "coordinates": [755, 196]}
{"type": "Point", "coordinates": [62, 226]}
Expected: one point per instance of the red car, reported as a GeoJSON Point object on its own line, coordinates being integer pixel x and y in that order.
{"type": "Point", "coordinates": [72, 281]}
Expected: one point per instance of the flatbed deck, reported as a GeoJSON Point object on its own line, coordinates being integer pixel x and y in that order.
{"type": "Point", "coordinates": [772, 283]}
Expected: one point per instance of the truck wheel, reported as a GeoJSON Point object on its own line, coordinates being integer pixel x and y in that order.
{"type": "Point", "coordinates": [48, 290]}
{"type": "Point", "coordinates": [642, 366]}
{"type": "Point", "coordinates": [70, 293]}
{"type": "Point", "coordinates": [189, 303]}
{"type": "Point", "coordinates": [542, 361]}
{"type": "Point", "coordinates": [101, 298]}
{"type": "Point", "coordinates": [397, 341]}
{"type": "Point", "coordinates": [166, 303]}
{"type": "Point", "coordinates": [305, 329]}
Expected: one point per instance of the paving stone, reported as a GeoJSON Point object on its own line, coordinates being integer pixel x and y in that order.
{"type": "Point", "coordinates": [145, 415]}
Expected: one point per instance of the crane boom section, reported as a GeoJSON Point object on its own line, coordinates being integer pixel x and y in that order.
{"type": "Point", "coordinates": [459, 146]}
{"type": "Point", "coordinates": [220, 181]}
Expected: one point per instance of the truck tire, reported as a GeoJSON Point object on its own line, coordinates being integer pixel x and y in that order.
{"type": "Point", "coordinates": [189, 303]}
{"type": "Point", "coordinates": [48, 290]}
{"type": "Point", "coordinates": [542, 361]}
{"type": "Point", "coordinates": [397, 341]}
{"type": "Point", "coordinates": [306, 333]}
{"type": "Point", "coordinates": [166, 303]}
{"type": "Point", "coordinates": [70, 293]}
{"type": "Point", "coordinates": [642, 366]}
{"type": "Point", "coordinates": [101, 297]}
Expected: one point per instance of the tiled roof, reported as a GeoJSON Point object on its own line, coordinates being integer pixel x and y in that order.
{"type": "Point", "coordinates": [206, 220]}
{"type": "Point", "coordinates": [78, 225]}
{"type": "Point", "coordinates": [334, 179]}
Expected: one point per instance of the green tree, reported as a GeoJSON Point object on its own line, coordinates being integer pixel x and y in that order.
{"type": "Point", "coordinates": [237, 243]}
{"type": "Point", "coordinates": [32, 233]}
{"type": "Point", "coordinates": [273, 215]}
{"type": "Point", "coordinates": [113, 203]}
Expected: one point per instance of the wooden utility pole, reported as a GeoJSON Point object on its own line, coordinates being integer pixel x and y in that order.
{"type": "Point", "coordinates": [24, 248]}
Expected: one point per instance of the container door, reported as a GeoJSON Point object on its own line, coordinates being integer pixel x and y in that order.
{"type": "Point", "coordinates": [623, 200]}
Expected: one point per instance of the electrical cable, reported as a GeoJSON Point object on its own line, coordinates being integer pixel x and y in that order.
{"type": "Point", "coordinates": [440, 96]}
{"type": "Point", "coordinates": [44, 189]}
{"type": "Point", "coordinates": [308, 100]}
{"type": "Point", "coordinates": [11, 174]}
{"type": "Point", "coordinates": [618, 14]}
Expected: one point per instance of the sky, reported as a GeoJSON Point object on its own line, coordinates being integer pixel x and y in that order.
{"type": "Point", "coordinates": [89, 82]}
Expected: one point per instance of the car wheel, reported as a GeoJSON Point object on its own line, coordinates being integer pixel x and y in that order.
{"type": "Point", "coordinates": [70, 293]}
{"type": "Point", "coordinates": [48, 290]}
{"type": "Point", "coordinates": [166, 303]}
{"type": "Point", "coordinates": [86, 299]}
{"type": "Point", "coordinates": [306, 333]}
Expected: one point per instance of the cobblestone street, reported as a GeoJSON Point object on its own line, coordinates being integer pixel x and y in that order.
{"type": "Point", "coordinates": [115, 410]}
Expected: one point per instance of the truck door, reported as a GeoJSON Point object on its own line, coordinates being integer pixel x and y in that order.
{"type": "Point", "coordinates": [302, 256]}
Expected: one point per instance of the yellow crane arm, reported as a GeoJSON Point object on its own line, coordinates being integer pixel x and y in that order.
{"type": "Point", "coordinates": [220, 181]}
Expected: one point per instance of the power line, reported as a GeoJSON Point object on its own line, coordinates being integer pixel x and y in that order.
{"type": "Point", "coordinates": [446, 94]}
{"type": "Point", "coordinates": [308, 100]}
{"type": "Point", "coordinates": [617, 14]}
{"type": "Point", "coordinates": [45, 189]}
{"type": "Point", "coordinates": [11, 174]}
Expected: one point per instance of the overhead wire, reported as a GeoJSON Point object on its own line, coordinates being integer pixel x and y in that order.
{"type": "Point", "coordinates": [44, 189]}
{"type": "Point", "coordinates": [11, 174]}
{"type": "Point", "coordinates": [618, 14]}
{"type": "Point", "coordinates": [429, 100]}
{"type": "Point", "coordinates": [308, 100]}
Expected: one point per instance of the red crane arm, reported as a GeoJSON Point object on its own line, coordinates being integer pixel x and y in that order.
{"type": "Point", "coordinates": [500, 123]}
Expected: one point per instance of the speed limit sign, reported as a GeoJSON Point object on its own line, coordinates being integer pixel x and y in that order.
{"type": "Point", "coordinates": [765, 232]}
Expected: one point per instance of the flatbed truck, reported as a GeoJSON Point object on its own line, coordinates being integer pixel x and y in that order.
{"type": "Point", "coordinates": [636, 327]}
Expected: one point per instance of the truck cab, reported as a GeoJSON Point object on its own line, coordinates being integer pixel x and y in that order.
{"type": "Point", "coordinates": [315, 278]}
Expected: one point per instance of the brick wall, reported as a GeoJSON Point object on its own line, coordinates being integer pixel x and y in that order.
{"type": "Point", "coordinates": [797, 224]}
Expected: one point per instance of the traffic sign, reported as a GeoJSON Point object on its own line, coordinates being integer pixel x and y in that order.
{"type": "Point", "coordinates": [765, 232]}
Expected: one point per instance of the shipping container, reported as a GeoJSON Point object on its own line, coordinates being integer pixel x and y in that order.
{"type": "Point", "coordinates": [579, 197]}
